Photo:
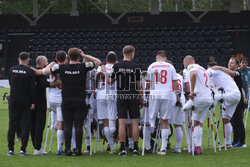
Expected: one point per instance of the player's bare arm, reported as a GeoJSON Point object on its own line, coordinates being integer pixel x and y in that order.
{"type": "Point", "coordinates": [193, 77]}
{"type": "Point", "coordinates": [177, 90]}
{"type": "Point", "coordinates": [91, 58]}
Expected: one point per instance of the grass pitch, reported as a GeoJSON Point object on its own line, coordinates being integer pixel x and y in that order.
{"type": "Point", "coordinates": [239, 157]}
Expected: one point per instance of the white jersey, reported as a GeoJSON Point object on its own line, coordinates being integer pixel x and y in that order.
{"type": "Point", "coordinates": [104, 90]}
{"type": "Point", "coordinates": [180, 84]}
{"type": "Point", "coordinates": [202, 88]}
{"type": "Point", "coordinates": [54, 94]}
{"type": "Point", "coordinates": [161, 75]}
{"type": "Point", "coordinates": [222, 79]}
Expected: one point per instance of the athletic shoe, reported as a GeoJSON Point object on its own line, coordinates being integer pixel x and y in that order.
{"type": "Point", "coordinates": [235, 144]}
{"type": "Point", "coordinates": [68, 152]}
{"type": "Point", "coordinates": [112, 152]}
{"type": "Point", "coordinates": [10, 153]}
{"type": "Point", "coordinates": [77, 152]}
{"type": "Point", "coordinates": [150, 151]}
{"type": "Point", "coordinates": [162, 152]}
{"type": "Point", "coordinates": [23, 153]}
{"type": "Point", "coordinates": [39, 152]}
{"type": "Point", "coordinates": [18, 139]}
{"type": "Point", "coordinates": [59, 152]}
{"type": "Point", "coordinates": [198, 150]}
{"type": "Point", "coordinates": [227, 145]}
{"type": "Point", "coordinates": [135, 152]}
{"type": "Point", "coordinates": [130, 150]}
{"type": "Point", "coordinates": [88, 150]}
{"type": "Point", "coordinates": [123, 153]}
{"type": "Point", "coordinates": [242, 145]}
{"type": "Point", "coordinates": [176, 150]}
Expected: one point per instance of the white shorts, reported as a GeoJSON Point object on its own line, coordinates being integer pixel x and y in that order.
{"type": "Point", "coordinates": [201, 108]}
{"type": "Point", "coordinates": [161, 106]}
{"type": "Point", "coordinates": [231, 100]}
{"type": "Point", "coordinates": [177, 116]}
{"type": "Point", "coordinates": [56, 107]}
{"type": "Point", "coordinates": [106, 109]}
{"type": "Point", "coordinates": [145, 110]}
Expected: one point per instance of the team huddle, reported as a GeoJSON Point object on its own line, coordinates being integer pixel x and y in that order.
{"type": "Point", "coordinates": [82, 91]}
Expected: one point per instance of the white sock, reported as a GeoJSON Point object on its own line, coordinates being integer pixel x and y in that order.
{"type": "Point", "coordinates": [228, 132]}
{"type": "Point", "coordinates": [131, 142]}
{"type": "Point", "coordinates": [73, 139]}
{"type": "Point", "coordinates": [109, 137]}
{"type": "Point", "coordinates": [147, 138]}
{"type": "Point", "coordinates": [164, 136]}
{"type": "Point", "coordinates": [178, 136]}
{"type": "Point", "coordinates": [60, 139]}
{"type": "Point", "coordinates": [198, 132]}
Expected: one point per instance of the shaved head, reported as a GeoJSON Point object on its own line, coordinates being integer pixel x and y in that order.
{"type": "Point", "coordinates": [41, 61]}
{"type": "Point", "coordinates": [188, 60]}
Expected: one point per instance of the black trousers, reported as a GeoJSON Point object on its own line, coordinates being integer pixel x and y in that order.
{"type": "Point", "coordinates": [238, 125]}
{"type": "Point", "coordinates": [18, 114]}
{"type": "Point", "coordinates": [74, 115]}
{"type": "Point", "coordinates": [38, 121]}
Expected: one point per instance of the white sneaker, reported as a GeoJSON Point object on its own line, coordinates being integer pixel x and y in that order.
{"type": "Point", "coordinates": [162, 152]}
{"type": "Point", "coordinates": [39, 152]}
{"type": "Point", "coordinates": [176, 150]}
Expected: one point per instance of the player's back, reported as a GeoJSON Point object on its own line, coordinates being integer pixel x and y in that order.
{"type": "Point", "coordinates": [161, 75]}
{"type": "Point", "coordinates": [202, 87]}
{"type": "Point", "coordinates": [222, 79]}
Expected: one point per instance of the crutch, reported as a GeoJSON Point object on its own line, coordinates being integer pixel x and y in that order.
{"type": "Point", "coordinates": [192, 119]}
{"type": "Point", "coordinates": [208, 131]}
{"type": "Point", "coordinates": [47, 133]}
{"type": "Point", "coordinates": [186, 130]}
{"type": "Point", "coordinates": [51, 139]}
{"type": "Point", "coordinates": [212, 131]}
{"type": "Point", "coordinates": [217, 132]}
{"type": "Point", "coordinates": [246, 116]}
{"type": "Point", "coordinates": [156, 136]}
{"type": "Point", "coordinates": [223, 121]}
{"type": "Point", "coordinates": [158, 141]}
{"type": "Point", "coordinates": [144, 131]}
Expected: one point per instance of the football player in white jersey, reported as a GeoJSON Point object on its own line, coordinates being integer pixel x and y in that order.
{"type": "Point", "coordinates": [200, 96]}
{"type": "Point", "coordinates": [178, 115]}
{"type": "Point", "coordinates": [231, 96]}
{"type": "Point", "coordinates": [159, 81]}
{"type": "Point", "coordinates": [55, 101]}
{"type": "Point", "coordinates": [106, 99]}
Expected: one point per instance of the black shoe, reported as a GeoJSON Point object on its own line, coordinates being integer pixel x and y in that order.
{"type": "Point", "coordinates": [135, 152]}
{"type": "Point", "coordinates": [150, 151]}
{"type": "Point", "coordinates": [108, 148]}
{"type": "Point", "coordinates": [168, 146]}
{"type": "Point", "coordinates": [123, 153]}
{"type": "Point", "coordinates": [77, 152]}
{"type": "Point", "coordinates": [68, 152]}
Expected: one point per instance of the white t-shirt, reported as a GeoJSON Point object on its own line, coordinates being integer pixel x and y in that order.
{"type": "Point", "coordinates": [104, 90]}
{"type": "Point", "coordinates": [161, 75]}
{"type": "Point", "coordinates": [222, 79]}
{"type": "Point", "coordinates": [202, 88]}
{"type": "Point", "coordinates": [54, 94]}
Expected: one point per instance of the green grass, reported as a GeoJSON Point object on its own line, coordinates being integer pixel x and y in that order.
{"type": "Point", "coordinates": [239, 157]}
